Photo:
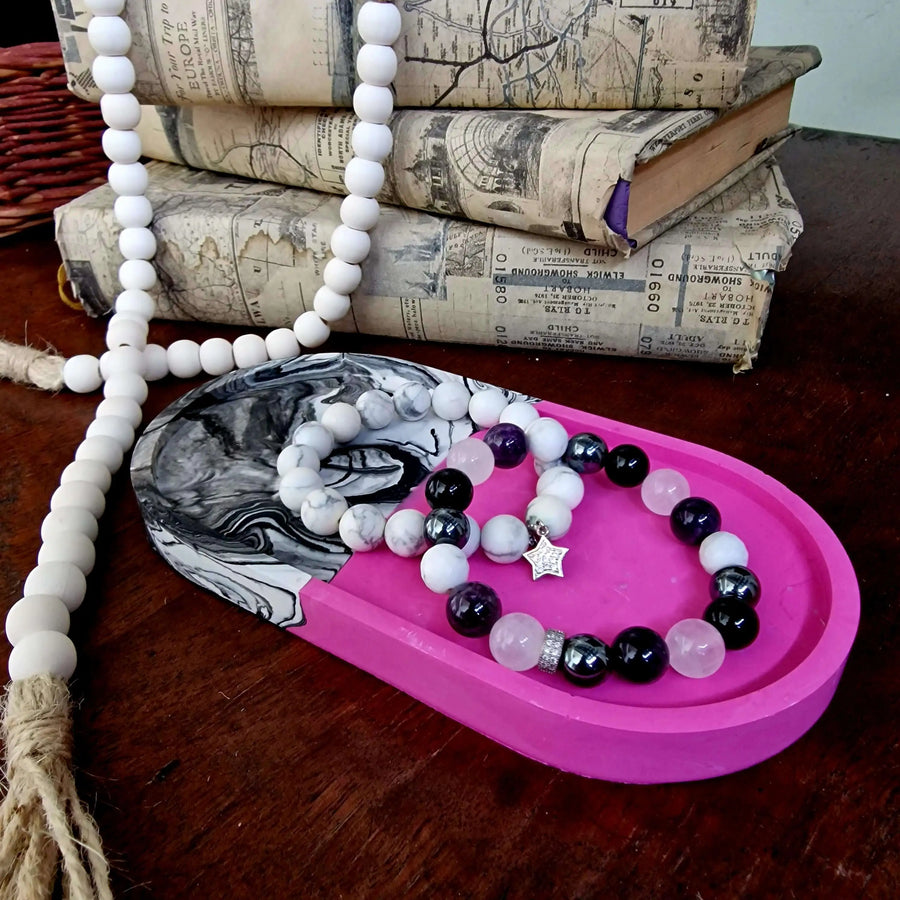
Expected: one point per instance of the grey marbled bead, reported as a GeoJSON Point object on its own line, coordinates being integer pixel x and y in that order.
{"type": "Point", "coordinates": [412, 401]}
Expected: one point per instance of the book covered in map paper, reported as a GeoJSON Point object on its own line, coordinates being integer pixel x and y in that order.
{"type": "Point", "coordinates": [250, 253]}
{"type": "Point", "coordinates": [482, 54]}
{"type": "Point", "coordinates": [603, 177]}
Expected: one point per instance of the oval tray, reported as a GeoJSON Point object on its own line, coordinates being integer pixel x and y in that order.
{"type": "Point", "coordinates": [204, 473]}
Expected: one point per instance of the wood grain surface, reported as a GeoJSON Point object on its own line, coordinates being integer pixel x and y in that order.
{"type": "Point", "coordinates": [236, 761]}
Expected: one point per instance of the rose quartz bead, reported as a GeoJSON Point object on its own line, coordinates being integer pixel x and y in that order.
{"type": "Point", "coordinates": [473, 457]}
{"type": "Point", "coordinates": [663, 489]}
{"type": "Point", "coordinates": [696, 649]}
{"type": "Point", "coordinates": [517, 641]}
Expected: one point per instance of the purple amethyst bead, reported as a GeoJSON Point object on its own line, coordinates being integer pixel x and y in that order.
{"type": "Point", "coordinates": [508, 444]}
{"type": "Point", "coordinates": [693, 519]}
{"type": "Point", "coordinates": [473, 608]}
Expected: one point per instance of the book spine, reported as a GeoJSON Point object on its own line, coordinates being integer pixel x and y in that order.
{"type": "Point", "coordinates": [257, 259]}
{"type": "Point", "coordinates": [684, 54]}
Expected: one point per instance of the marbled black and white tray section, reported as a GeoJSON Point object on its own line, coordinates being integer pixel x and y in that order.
{"type": "Point", "coordinates": [205, 477]}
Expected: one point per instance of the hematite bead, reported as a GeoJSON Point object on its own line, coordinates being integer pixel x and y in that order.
{"type": "Point", "coordinates": [507, 443]}
{"type": "Point", "coordinates": [447, 526]}
{"type": "Point", "coordinates": [585, 660]}
{"type": "Point", "coordinates": [735, 620]}
{"type": "Point", "coordinates": [585, 453]}
{"type": "Point", "coordinates": [694, 519]}
{"type": "Point", "coordinates": [449, 489]}
{"type": "Point", "coordinates": [473, 608]}
{"type": "Point", "coordinates": [626, 465]}
{"type": "Point", "coordinates": [735, 581]}
{"type": "Point", "coordinates": [639, 654]}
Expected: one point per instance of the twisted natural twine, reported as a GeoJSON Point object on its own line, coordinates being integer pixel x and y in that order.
{"type": "Point", "coordinates": [42, 821]}
{"type": "Point", "coordinates": [26, 365]}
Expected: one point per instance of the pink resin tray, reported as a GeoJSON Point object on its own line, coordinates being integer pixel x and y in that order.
{"type": "Point", "coordinates": [624, 568]}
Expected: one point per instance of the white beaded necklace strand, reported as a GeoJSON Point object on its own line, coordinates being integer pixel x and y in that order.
{"type": "Point", "coordinates": [41, 799]}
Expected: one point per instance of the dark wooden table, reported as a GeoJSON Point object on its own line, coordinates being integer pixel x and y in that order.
{"type": "Point", "coordinates": [242, 762]}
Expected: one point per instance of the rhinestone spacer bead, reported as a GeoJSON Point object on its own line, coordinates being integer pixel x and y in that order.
{"type": "Point", "coordinates": [551, 652]}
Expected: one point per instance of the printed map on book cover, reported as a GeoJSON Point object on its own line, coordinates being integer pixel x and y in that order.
{"type": "Point", "coordinates": [539, 54]}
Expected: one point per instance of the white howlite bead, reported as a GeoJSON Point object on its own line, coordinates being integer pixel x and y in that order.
{"type": "Point", "coordinates": [121, 146]}
{"type": "Point", "coordinates": [504, 539]}
{"type": "Point", "coordinates": [39, 612]}
{"type": "Point", "coordinates": [350, 244]}
{"type": "Point", "coordinates": [128, 409]}
{"type": "Point", "coordinates": [62, 580]}
{"type": "Point", "coordinates": [109, 35]}
{"type": "Point", "coordinates": [120, 111]}
{"type": "Point", "coordinates": [485, 407]}
{"type": "Point", "coordinates": [296, 456]}
{"type": "Point", "coordinates": [156, 364]}
{"type": "Point", "coordinates": [363, 177]}
{"type": "Point", "coordinates": [70, 518]}
{"type": "Point", "coordinates": [101, 449]}
{"type": "Point", "coordinates": [547, 439]}
{"type": "Point", "coordinates": [249, 350]}
{"type": "Point", "coordinates": [114, 427]}
{"type": "Point", "coordinates": [362, 527]}
{"type": "Point", "coordinates": [412, 401]}
{"type": "Point", "coordinates": [371, 141]}
{"type": "Point", "coordinates": [360, 213]}
{"type": "Point", "coordinates": [113, 74]}
{"type": "Point", "coordinates": [450, 400]}
{"type": "Point", "coordinates": [375, 408]}
{"type": "Point", "coordinates": [296, 484]}
{"type": "Point", "coordinates": [378, 23]}
{"type": "Point", "coordinates": [550, 511]}
{"type": "Point", "coordinates": [216, 356]}
{"type": "Point", "coordinates": [137, 274]}
{"type": "Point", "coordinates": [329, 305]}
{"type": "Point", "coordinates": [404, 533]}
{"type": "Point", "coordinates": [70, 547]}
{"type": "Point", "coordinates": [135, 305]}
{"type": "Point", "coordinates": [79, 493]}
{"type": "Point", "coordinates": [322, 510]}
{"type": "Point", "coordinates": [81, 373]}
{"type": "Point", "coordinates": [128, 179]}
{"type": "Point", "coordinates": [183, 358]}
{"type": "Point", "coordinates": [376, 64]}
{"type": "Point", "coordinates": [474, 541]}
{"type": "Point", "coordinates": [563, 483]}
{"type": "Point", "coordinates": [122, 359]}
{"type": "Point", "coordinates": [372, 103]}
{"type": "Point", "coordinates": [310, 330]}
{"type": "Point", "coordinates": [444, 567]}
{"type": "Point", "coordinates": [281, 343]}
{"type": "Point", "coordinates": [105, 7]}
{"type": "Point", "coordinates": [520, 413]}
{"type": "Point", "coordinates": [43, 652]}
{"type": "Point", "coordinates": [126, 384]}
{"type": "Point", "coordinates": [315, 435]}
{"type": "Point", "coordinates": [341, 277]}
{"type": "Point", "coordinates": [87, 470]}
{"type": "Point", "coordinates": [133, 212]}
{"type": "Point", "coordinates": [137, 243]}
{"type": "Point", "coordinates": [721, 549]}
{"type": "Point", "coordinates": [343, 421]}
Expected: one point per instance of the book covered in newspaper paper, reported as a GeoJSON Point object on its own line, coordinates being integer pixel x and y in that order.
{"type": "Point", "coordinates": [249, 253]}
{"type": "Point", "coordinates": [548, 54]}
{"type": "Point", "coordinates": [603, 177]}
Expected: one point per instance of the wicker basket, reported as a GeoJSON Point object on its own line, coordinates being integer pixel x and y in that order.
{"type": "Point", "coordinates": [49, 139]}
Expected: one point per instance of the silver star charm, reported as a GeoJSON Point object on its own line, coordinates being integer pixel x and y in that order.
{"type": "Point", "coordinates": [545, 558]}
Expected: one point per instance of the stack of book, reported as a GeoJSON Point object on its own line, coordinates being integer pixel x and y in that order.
{"type": "Point", "coordinates": [526, 207]}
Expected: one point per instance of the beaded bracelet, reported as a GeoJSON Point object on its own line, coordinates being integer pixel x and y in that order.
{"type": "Point", "coordinates": [692, 647]}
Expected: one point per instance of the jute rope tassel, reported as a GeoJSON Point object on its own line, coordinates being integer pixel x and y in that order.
{"type": "Point", "coordinates": [26, 365]}
{"type": "Point", "coordinates": [43, 826]}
